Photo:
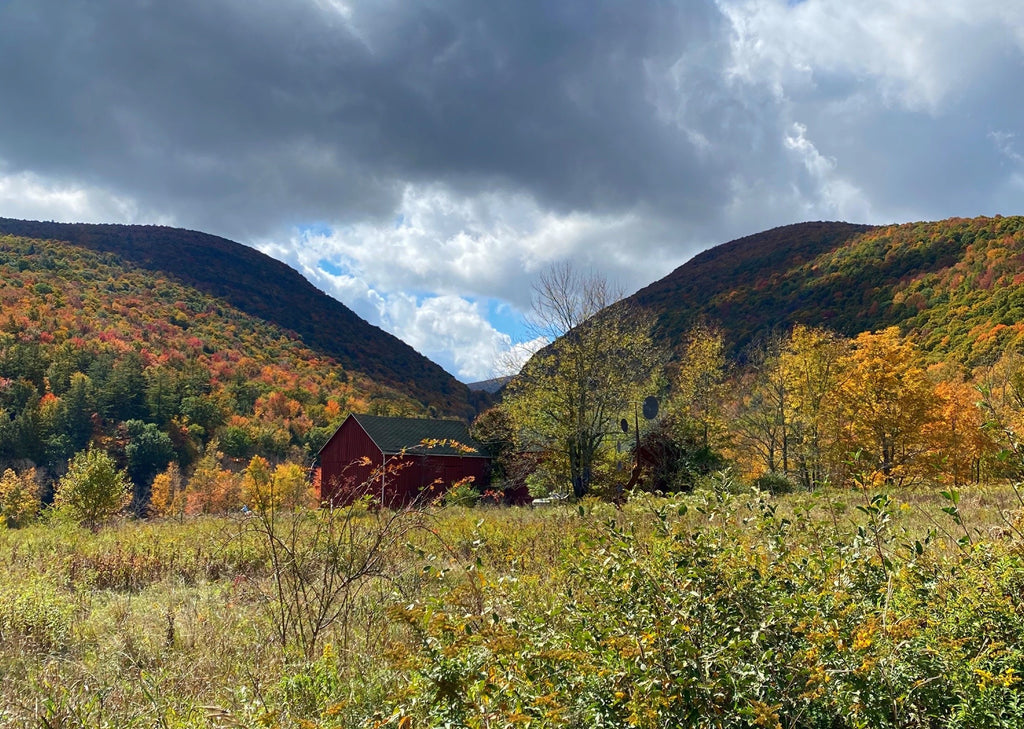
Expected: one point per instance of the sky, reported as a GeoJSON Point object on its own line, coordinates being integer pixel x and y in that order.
{"type": "Point", "coordinates": [424, 162]}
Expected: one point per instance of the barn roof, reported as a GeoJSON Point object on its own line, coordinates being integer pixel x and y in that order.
{"type": "Point", "coordinates": [392, 435]}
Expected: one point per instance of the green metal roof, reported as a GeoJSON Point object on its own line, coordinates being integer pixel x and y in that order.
{"type": "Point", "coordinates": [393, 435]}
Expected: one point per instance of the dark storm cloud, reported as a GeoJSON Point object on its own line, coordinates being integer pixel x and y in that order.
{"type": "Point", "coordinates": [278, 110]}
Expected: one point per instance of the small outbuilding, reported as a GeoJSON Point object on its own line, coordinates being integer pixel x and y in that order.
{"type": "Point", "coordinates": [398, 461]}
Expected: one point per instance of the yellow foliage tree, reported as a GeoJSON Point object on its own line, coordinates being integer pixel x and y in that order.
{"type": "Point", "coordinates": [813, 364]}
{"type": "Point", "coordinates": [19, 498]}
{"type": "Point", "coordinates": [701, 388]}
{"type": "Point", "coordinates": [167, 495]}
{"type": "Point", "coordinates": [888, 405]}
{"type": "Point", "coordinates": [284, 487]}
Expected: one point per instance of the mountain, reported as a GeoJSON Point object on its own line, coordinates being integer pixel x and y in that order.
{"type": "Point", "coordinates": [267, 289]}
{"type": "Point", "coordinates": [96, 351]}
{"type": "Point", "coordinates": [955, 285]}
{"type": "Point", "coordinates": [492, 385]}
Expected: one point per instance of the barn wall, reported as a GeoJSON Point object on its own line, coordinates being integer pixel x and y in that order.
{"type": "Point", "coordinates": [409, 478]}
{"type": "Point", "coordinates": [415, 480]}
{"type": "Point", "coordinates": [342, 479]}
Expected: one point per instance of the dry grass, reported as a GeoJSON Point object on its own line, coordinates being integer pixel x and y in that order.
{"type": "Point", "coordinates": [167, 624]}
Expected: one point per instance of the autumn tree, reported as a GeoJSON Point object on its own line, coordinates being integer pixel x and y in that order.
{"type": "Point", "coordinates": [888, 404]}
{"type": "Point", "coordinates": [761, 432]}
{"type": "Point", "coordinates": [1002, 398]}
{"type": "Point", "coordinates": [212, 489]}
{"type": "Point", "coordinates": [959, 440]}
{"type": "Point", "coordinates": [700, 388]}
{"type": "Point", "coordinates": [167, 495]}
{"type": "Point", "coordinates": [568, 399]}
{"type": "Point", "coordinates": [285, 486]}
{"type": "Point", "coordinates": [19, 497]}
{"type": "Point", "coordinates": [812, 365]}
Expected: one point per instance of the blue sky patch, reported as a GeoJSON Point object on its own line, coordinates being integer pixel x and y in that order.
{"type": "Point", "coordinates": [332, 268]}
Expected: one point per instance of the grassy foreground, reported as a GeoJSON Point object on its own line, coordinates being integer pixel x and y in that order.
{"type": "Point", "coordinates": [844, 609]}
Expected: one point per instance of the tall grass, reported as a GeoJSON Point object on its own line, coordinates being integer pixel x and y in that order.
{"type": "Point", "coordinates": [842, 609]}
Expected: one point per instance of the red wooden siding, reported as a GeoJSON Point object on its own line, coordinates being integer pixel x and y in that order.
{"type": "Point", "coordinates": [342, 477]}
{"type": "Point", "coordinates": [406, 478]}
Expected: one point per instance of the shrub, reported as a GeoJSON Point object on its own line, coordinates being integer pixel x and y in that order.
{"type": "Point", "coordinates": [37, 613]}
{"type": "Point", "coordinates": [721, 482]}
{"type": "Point", "coordinates": [461, 493]}
{"type": "Point", "coordinates": [542, 483]}
{"type": "Point", "coordinates": [774, 483]}
{"type": "Point", "coordinates": [94, 489]}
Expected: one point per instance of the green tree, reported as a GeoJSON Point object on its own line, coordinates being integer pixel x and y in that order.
{"type": "Point", "coordinates": [568, 399]}
{"type": "Point", "coordinates": [124, 396]}
{"type": "Point", "coordinates": [94, 489]}
{"type": "Point", "coordinates": [162, 394]}
{"type": "Point", "coordinates": [495, 430]}
{"type": "Point", "coordinates": [148, 451]}
{"type": "Point", "coordinates": [74, 416]}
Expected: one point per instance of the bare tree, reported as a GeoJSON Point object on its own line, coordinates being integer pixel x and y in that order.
{"type": "Point", "coordinates": [568, 399]}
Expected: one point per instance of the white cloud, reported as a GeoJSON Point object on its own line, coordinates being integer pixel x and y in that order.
{"type": "Point", "coordinates": [1005, 143]}
{"type": "Point", "coordinates": [912, 53]}
{"type": "Point", "coordinates": [835, 195]}
{"type": "Point", "coordinates": [486, 244]}
{"type": "Point", "coordinates": [455, 249]}
{"type": "Point", "coordinates": [450, 329]}
{"type": "Point", "coordinates": [30, 196]}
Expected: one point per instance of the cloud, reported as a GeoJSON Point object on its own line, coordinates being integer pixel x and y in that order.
{"type": "Point", "coordinates": [29, 196]}
{"type": "Point", "coordinates": [453, 329]}
{"type": "Point", "coordinates": [897, 51]}
{"type": "Point", "coordinates": [900, 96]}
{"type": "Point", "coordinates": [448, 152]}
{"type": "Point", "coordinates": [488, 244]}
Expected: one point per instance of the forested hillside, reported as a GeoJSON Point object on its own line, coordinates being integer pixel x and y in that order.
{"type": "Point", "coordinates": [954, 285]}
{"type": "Point", "coordinates": [92, 350]}
{"type": "Point", "coordinates": [268, 289]}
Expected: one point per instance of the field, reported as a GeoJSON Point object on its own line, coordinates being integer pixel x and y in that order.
{"type": "Point", "coordinates": [717, 608]}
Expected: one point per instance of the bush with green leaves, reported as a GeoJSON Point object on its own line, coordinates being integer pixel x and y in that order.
{"type": "Point", "coordinates": [461, 494]}
{"type": "Point", "coordinates": [726, 614]}
{"type": "Point", "coordinates": [94, 489]}
{"type": "Point", "coordinates": [774, 483]}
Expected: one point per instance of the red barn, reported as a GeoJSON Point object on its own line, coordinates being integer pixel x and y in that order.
{"type": "Point", "coordinates": [398, 460]}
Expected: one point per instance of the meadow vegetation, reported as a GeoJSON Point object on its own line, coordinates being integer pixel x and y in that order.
{"type": "Point", "coordinates": [724, 607]}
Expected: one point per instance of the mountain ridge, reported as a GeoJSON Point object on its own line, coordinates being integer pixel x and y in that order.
{"type": "Point", "coordinates": [955, 284]}
{"type": "Point", "coordinates": [271, 290]}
